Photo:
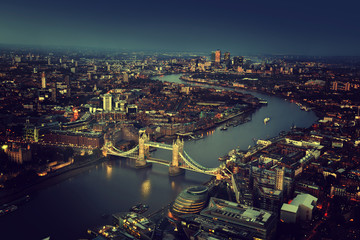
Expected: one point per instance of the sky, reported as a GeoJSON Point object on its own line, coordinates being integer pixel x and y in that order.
{"type": "Point", "coordinates": [239, 26]}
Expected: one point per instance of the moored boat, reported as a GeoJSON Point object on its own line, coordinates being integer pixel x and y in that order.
{"type": "Point", "coordinates": [139, 208]}
{"type": "Point", "coordinates": [223, 128]}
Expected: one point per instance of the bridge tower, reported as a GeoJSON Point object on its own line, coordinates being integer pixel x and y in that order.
{"type": "Point", "coordinates": [174, 167]}
{"type": "Point", "coordinates": [143, 150]}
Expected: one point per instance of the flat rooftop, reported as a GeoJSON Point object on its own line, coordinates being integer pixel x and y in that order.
{"type": "Point", "coordinates": [237, 213]}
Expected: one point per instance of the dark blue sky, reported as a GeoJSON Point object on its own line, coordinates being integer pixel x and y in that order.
{"type": "Point", "coordinates": [239, 26]}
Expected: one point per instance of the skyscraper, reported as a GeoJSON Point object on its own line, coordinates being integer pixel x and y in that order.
{"type": "Point", "coordinates": [212, 56]}
{"type": "Point", "coordinates": [53, 91]}
{"type": "Point", "coordinates": [226, 56]}
{"type": "Point", "coordinates": [43, 80]}
{"type": "Point", "coordinates": [107, 102]}
{"type": "Point", "coordinates": [217, 56]}
{"type": "Point", "coordinates": [68, 86]}
{"type": "Point", "coordinates": [238, 61]}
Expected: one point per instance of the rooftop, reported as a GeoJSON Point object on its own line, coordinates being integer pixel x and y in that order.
{"type": "Point", "coordinates": [305, 199]}
{"type": "Point", "coordinates": [289, 208]}
{"type": "Point", "coordinates": [237, 213]}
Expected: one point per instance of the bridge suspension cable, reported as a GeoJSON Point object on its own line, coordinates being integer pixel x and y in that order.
{"type": "Point", "coordinates": [122, 153]}
{"type": "Point", "coordinates": [196, 166]}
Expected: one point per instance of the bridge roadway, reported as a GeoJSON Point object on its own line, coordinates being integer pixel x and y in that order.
{"type": "Point", "coordinates": [159, 145]}
{"type": "Point", "coordinates": [156, 160]}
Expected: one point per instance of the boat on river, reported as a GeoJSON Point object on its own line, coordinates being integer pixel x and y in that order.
{"type": "Point", "coordinates": [223, 128]}
{"type": "Point", "coordinates": [139, 208]}
{"type": "Point", "coordinates": [266, 120]}
{"type": "Point", "coordinates": [8, 209]}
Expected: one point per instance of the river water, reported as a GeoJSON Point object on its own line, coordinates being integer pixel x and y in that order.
{"type": "Point", "coordinates": [65, 210]}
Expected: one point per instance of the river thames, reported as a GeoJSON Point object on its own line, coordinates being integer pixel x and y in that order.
{"type": "Point", "coordinates": [67, 209]}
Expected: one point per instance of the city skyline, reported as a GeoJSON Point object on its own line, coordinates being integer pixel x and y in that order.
{"type": "Point", "coordinates": [240, 27]}
{"type": "Point", "coordinates": [271, 145]}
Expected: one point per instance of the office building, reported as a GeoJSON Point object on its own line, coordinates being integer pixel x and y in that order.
{"type": "Point", "coordinates": [239, 220]}
{"type": "Point", "coordinates": [269, 199]}
{"type": "Point", "coordinates": [68, 86]}
{"type": "Point", "coordinates": [347, 86]}
{"type": "Point", "coordinates": [217, 56]}
{"type": "Point", "coordinates": [279, 179]}
{"type": "Point", "coordinates": [334, 86]}
{"type": "Point", "coordinates": [212, 57]}
{"type": "Point", "coordinates": [190, 201]}
{"type": "Point", "coordinates": [53, 92]}
{"type": "Point", "coordinates": [227, 58]}
{"type": "Point", "coordinates": [241, 187]}
{"type": "Point", "coordinates": [301, 208]}
{"type": "Point", "coordinates": [107, 102]}
{"type": "Point", "coordinates": [126, 77]}
{"type": "Point", "coordinates": [238, 61]}
{"type": "Point", "coordinates": [43, 80]}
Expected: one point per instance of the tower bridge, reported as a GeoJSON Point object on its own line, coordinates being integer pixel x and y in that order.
{"type": "Point", "coordinates": [180, 161]}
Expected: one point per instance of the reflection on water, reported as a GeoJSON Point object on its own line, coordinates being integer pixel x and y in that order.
{"type": "Point", "coordinates": [108, 171]}
{"type": "Point", "coordinates": [210, 132]}
{"type": "Point", "coordinates": [146, 188]}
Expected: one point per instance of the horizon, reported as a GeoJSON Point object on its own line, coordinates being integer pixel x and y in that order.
{"type": "Point", "coordinates": [240, 27]}
{"type": "Point", "coordinates": [50, 48]}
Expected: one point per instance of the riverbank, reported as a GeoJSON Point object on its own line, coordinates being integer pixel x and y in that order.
{"type": "Point", "coordinates": [242, 115]}
{"type": "Point", "coordinates": [318, 111]}
{"type": "Point", "coordinates": [7, 196]}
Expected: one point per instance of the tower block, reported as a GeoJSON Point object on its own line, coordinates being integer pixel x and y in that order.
{"type": "Point", "coordinates": [174, 168]}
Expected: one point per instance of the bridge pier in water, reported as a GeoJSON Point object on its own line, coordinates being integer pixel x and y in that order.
{"type": "Point", "coordinates": [174, 167]}
{"type": "Point", "coordinates": [144, 152]}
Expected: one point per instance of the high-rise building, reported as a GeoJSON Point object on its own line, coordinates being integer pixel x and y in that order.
{"type": "Point", "coordinates": [126, 77]}
{"type": "Point", "coordinates": [347, 86]}
{"type": "Point", "coordinates": [279, 179]}
{"type": "Point", "coordinates": [49, 61]}
{"type": "Point", "coordinates": [226, 56]}
{"type": "Point", "coordinates": [227, 59]}
{"type": "Point", "coordinates": [107, 102]}
{"type": "Point", "coordinates": [43, 80]}
{"type": "Point", "coordinates": [212, 56]}
{"type": "Point", "coordinates": [217, 56]}
{"type": "Point", "coordinates": [68, 86]}
{"type": "Point", "coordinates": [238, 61]}
{"type": "Point", "coordinates": [334, 86]}
{"type": "Point", "coordinates": [53, 92]}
